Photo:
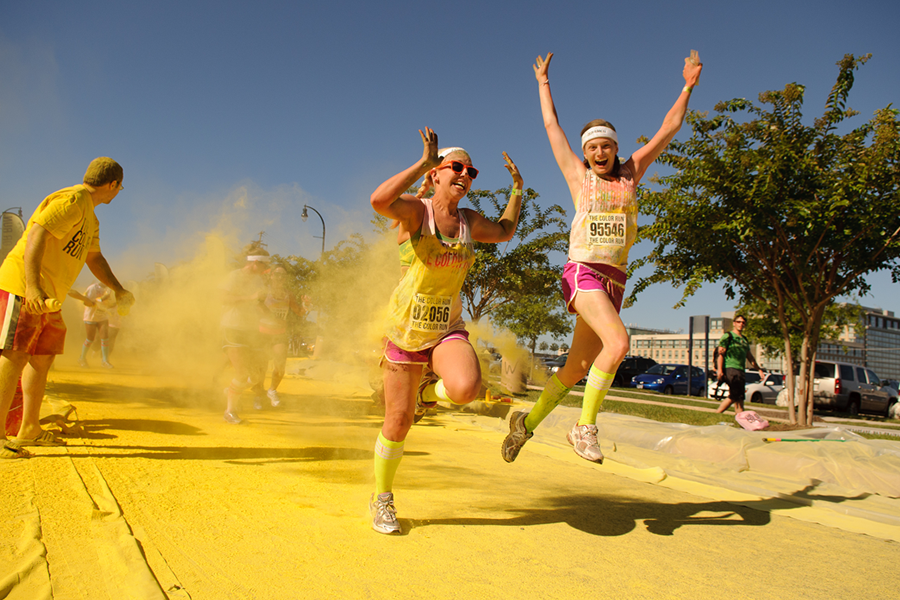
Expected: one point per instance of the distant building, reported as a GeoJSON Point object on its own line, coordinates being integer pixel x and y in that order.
{"type": "Point", "coordinates": [878, 348]}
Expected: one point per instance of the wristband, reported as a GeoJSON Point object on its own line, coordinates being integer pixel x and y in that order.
{"type": "Point", "coordinates": [515, 192]}
{"type": "Point", "coordinates": [687, 88]}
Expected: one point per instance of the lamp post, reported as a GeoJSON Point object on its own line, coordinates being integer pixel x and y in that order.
{"type": "Point", "coordinates": [305, 215]}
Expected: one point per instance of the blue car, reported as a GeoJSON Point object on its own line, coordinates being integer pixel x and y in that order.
{"type": "Point", "coordinates": [670, 379]}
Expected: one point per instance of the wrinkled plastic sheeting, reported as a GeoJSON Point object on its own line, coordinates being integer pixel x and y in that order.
{"type": "Point", "coordinates": [858, 463]}
{"type": "Point", "coordinates": [721, 445]}
{"type": "Point", "coordinates": [868, 466]}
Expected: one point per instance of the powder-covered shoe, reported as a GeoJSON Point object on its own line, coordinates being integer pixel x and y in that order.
{"type": "Point", "coordinates": [232, 418]}
{"type": "Point", "coordinates": [421, 406]}
{"type": "Point", "coordinates": [274, 398]}
{"type": "Point", "coordinates": [384, 515]}
{"type": "Point", "coordinates": [517, 436]}
{"type": "Point", "coordinates": [584, 439]}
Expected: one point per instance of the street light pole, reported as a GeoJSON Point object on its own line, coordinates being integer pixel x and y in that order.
{"type": "Point", "coordinates": [305, 215]}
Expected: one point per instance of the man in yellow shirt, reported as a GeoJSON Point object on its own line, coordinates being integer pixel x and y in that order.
{"type": "Point", "coordinates": [61, 236]}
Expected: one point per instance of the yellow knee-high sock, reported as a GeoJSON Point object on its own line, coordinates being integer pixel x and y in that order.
{"type": "Point", "coordinates": [550, 398]}
{"type": "Point", "coordinates": [598, 384]}
{"type": "Point", "coordinates": [387, 459]}
{"type": "Point", "coordinates": [435, 392]}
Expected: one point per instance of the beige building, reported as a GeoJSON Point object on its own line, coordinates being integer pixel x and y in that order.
{"type": "Point", "coordinates": [672, 347]}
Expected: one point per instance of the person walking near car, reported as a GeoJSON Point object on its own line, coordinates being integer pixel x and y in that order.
{"type": "Point", "coordinates": [732, 354]}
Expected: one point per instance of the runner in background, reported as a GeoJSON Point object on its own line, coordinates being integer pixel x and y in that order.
{"type": "Point", "coordinates": [278, 303]}
{"type": "Point", "coordinates": [603, 230]}
{"type": "Point", "coordinates": [100, 303]}
{"type": "Point", "coordinates": [244, 291]}
{"type": "Point", "coordinates": [425, 325]}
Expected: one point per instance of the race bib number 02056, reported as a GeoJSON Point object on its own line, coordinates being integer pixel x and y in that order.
{"type": "Point", "coordinates": [605, 229]}
{"type": "Point", "coordinates": [431, 313]}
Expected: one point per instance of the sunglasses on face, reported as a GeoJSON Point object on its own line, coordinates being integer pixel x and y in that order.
{"type": "Point", "coordinates": [457, 167]}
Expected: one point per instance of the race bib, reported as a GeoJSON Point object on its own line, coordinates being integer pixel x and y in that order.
{"type": "Point", "coordinates": [605, 229]}
{"type": "Point", "coordinates": [431, 313]}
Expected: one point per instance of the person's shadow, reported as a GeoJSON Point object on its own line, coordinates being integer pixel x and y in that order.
{"type": "Point", "coordinates": [611, 516]}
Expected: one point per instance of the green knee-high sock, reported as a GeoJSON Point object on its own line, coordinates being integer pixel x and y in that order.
{"type": "Point", "coordinates": [435, 392]}
{"type": "Point", "coordinates": [598, 384]}
{"type": "Point", "coordinates": [550, 398]}
{"type": "Point", "coordinates": [104, 349]}
{"type": "Point", "coordinates": [387, 459]}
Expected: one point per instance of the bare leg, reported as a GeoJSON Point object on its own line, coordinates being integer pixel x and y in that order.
{"type": "Point", "coordinates": [34, 381]}
{"type": "Point", "coordinates": [12, 364]}
{"type": "Point", "coordinates": [456, 363]}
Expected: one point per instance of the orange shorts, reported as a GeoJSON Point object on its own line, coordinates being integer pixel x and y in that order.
{"type": "Point", "coordinates": [29, 333]}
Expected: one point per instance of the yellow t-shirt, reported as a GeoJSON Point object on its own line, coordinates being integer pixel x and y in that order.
{"type": "Point", "coordinates": [68, 215]}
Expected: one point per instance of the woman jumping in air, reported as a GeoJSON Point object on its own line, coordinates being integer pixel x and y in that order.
{"type": "Point", "coordinates": [425, 324]}
{"type": "Point", "coordinates": [593, 283]}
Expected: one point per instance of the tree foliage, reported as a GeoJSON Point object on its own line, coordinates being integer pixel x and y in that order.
{"type": "Point", "coordinates": [521, 268]}
{"type": "Point", "coordinates": [786, 214]}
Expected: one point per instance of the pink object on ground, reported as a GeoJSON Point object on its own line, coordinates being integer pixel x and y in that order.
{"type": "Point", "coordinates": [750, 421]}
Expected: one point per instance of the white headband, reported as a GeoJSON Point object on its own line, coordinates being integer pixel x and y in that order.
{"type": "Point", "coordinates": [450, 151]}
{"type": "Point", "coordinates": [258, 257]}
{"type": "Point", "coordinates": [598, 132]}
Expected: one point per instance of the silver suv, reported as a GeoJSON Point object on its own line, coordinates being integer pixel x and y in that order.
{"type": "Point", "coordinates": [849, 388]}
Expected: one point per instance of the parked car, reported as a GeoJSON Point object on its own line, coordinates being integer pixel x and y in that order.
{"type": "Point", "coordinates": [757, 390]}
{"type": "Point", "coordinates": [670, 379]}
{"type": "Point", "coordinates": [847, 388]}
{"type": "Point", "coordinates": [631, 366]}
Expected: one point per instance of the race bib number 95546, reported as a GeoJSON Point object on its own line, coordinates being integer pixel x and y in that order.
{"type": "Point", "coordinates": [605, 229]}
{"type": "Point", "coordinates": [431, 313]}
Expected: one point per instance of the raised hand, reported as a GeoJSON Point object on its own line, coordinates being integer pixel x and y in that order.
{"type": "Point", "coordinates": [692, 69]}
{"type": "Point", "coordinates": [518, 182]}
{"type": "Point", "coordinates": [430, 150]}
{"type": "Point", "coordinates": [542, 67]}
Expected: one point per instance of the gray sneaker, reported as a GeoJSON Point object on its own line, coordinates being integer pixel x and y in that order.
{"type": "Point", "coordinates": [384, 515]}
{"type": "Point", "coordinates": [584, 439]}
{"type": "Point", "coordinates": [516, 438]}
{"type": "Point", "coordinates": [422, 407]}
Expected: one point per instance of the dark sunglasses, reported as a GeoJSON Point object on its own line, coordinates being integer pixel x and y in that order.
{"type": "Point", "coordinates": [458, 167]}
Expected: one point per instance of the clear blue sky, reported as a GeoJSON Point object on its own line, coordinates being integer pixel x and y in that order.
{"type": "Point", "coordinates": [253, 109]}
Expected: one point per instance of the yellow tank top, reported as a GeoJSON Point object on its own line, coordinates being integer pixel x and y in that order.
{"type": "Point", "coordinates": [605, 222]}
{"type": "Point", "coordinates": [425, 305]}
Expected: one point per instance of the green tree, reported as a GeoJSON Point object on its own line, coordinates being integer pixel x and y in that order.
{"type": "Point", "coordinates": [521, 268]}
{"type": "Point", "coordinates": [531, 316]}
{"type": "Point", "coordinates": [785, 214]}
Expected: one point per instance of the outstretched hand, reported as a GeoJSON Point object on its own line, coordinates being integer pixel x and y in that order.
{"type": "Point", "coordinates": [692, 68]}
{"type": "Point", "coordinates": [518, 182]}
{"type": "Point", "coordinates": [430, 150]}
{"type": "Point", "coordinates": [542, 67]}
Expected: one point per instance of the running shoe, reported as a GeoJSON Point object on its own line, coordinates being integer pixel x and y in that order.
{"type": "Point", "coordinates": [584, 439]}
{"type": "Point", "coordinates": [273, 398]}
{"type": "Point", "coordinates": [517, 436]}
{"type": "Point", "coordinates": [257, 402]}
{"type": "Point", "coordinates": [422, 407]}
{"type": "Point", "coordinates": [82, 363]}
{"type": "Point", "coordinates": [232, 418]}
{"type": "Point", "coordinates": [384, 515]}
{"type": "Point", "coordinates": [106, 365]}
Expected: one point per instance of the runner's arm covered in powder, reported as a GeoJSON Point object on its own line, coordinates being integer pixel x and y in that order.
{"type": "Point", "coordinates": [389, 199]}
{"type": "Point", "coordinates": [491, 232]}
{"type": "Point", "coordinates": [645, 155]}
{"type": "Point", "coordinates": [34, 254]}
{"type": "Point", "coordinates": [569, 163]}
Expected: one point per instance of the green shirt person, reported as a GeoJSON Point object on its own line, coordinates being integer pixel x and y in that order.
{"type": "Point", "coordinates": [732, 355]}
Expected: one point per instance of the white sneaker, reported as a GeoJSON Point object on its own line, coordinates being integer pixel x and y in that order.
{"type": "Point", "coordinates": [384, 515]}
{"type": "Point", "coordinates": [273, 398]}
{"type": "Point", "coordinates": [257, 402]}
{"type": "Point", "coordinates": [584, 439]}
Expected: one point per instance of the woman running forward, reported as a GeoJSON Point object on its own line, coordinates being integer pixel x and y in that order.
{"type": "Point", "coordinates": [278, 303]}
{"type": "Point", "coordinates": [425, 325]}
{"type": "Point", "coordinates": [593, 282]}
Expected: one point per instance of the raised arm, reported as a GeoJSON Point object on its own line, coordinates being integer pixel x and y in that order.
{"type": "Point", "coordinates": [389, 199]}
{"type": "Point", "coordinates": [491, 232]}
{"type": "Point", "coordinates": [645, 156]}
{"type": "Point", "coordinates": [569, 162]}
